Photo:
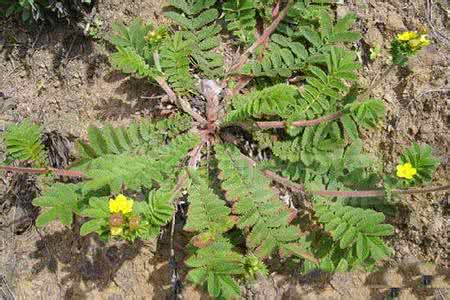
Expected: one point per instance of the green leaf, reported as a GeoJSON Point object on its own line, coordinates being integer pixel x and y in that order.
{"type": "Point", "coordinates": [345, 23]}
{"type": "Point", "coordinates": [343, 37]}
{"type": "Point", "coordinates": [198, 276]}
{"type": "Point", "coordinates": [92, 226]}
{"type": "Point", "coordinates": [367, 113]}
{"type": "Point", "coordinates": [312, 36]}
{"type": "Point", "coordinates": [256, 204]}
{"type": "Point", "coordinates": [342, 266]}
{"type": "Point", "coordinates": [23, 142]}
{"type": "Point", "coordinates": [350, 127]}
{"type": "Point", "coordinates": [230, 288]}
{"type": "Point", "coordinates": [129, 61]}
{"type": "Point", "coordinates": [213, 285]}
{"type": "Point", "coordinates": [377, 248]}
{"type": "Point", "coordinates": [362, 247]}
{"type": "Point", "coordinates": [348, 237]}
{"type": "Point", "coordinates": [63, 200]}
{"type": "Point", "coordinates": [179, 19]}
{"type": "Point", "coordinates": [207, 213]}
{"type": "Point", "coordinates": [378, 230]}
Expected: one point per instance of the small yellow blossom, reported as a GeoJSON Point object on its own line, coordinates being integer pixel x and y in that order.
{"type": "Point", "coordinates": [407, 36]}
{"type": "Point", "coordinates": [116, 230]}
{"type": "Point", "coordinates": [406, 171]}
{"type": "Point", "coordinates": [120, 204]}
{"type": "Point", "coordinates": [415, 40]}
{"type": "Point", "coordinates": [424, 41]}
{"type": "Point", "coordinates": [419, 43]}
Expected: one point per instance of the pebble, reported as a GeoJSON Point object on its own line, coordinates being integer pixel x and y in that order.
{"type": "Point", "coordinates": [374, 37]}
{"type": "Point", "coordinates": [394, 22]}
{"type": "Point", "coordinates": [341, 11]}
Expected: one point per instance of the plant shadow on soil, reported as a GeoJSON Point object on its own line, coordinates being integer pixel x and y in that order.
{"type": "Point", "coordinates": [128, 98]}
{"type": "Point", "coordinates": [408, 276]}
{"type": "Point", "coordinates": [64, 41]}
{"type": "Point", "coordinates": [81, 260]}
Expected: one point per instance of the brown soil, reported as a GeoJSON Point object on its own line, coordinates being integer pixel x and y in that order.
{"type": "Point", "coordinates": [63, 80]}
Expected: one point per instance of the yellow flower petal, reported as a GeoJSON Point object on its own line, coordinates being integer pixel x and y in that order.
{"type": "Point", "coordinates": [415, 44]}
{"type": "Point", "coordinates": [407, 36]}
{"type": "Point", "coordinates": [116, 230]}
{"type": "Point", "coordinates": [120, 204]}
{"type": "Point", "coordinates": [406, 171]}
{"type": "Point", "coordinates": [424, 41]}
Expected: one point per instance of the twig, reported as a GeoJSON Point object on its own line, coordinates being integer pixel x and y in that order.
{"type": "Point", "coordinates": [302, 123]}
{"type": "Point", "coordinates": [262, 39]}
{"type": "Point", "coordinates": [211, 90]}
{"type": "Point", "coordinates": [180, 102]}
{"type": "Point", "coordinates": [58, 172]}
{"type": "Point", "coordinates": [423, 190]}
{"type": "Point", "coordinates": [242, 82]}
{"type": "Point", "coordinates": [196, 154]}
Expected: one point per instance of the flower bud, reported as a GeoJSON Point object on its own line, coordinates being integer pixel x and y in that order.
{"type": "Point", "coordinates": [133, 222]}
{"type": "Point", "coordinates": [116, 220]}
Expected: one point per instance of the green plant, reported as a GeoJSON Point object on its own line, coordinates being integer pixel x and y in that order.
{"type": "Point", "coordinates": [240, 17]}
{"type": "Point", "coordinates": [299, 105]}
{"type": "Point", "coordinates": [375, 52]}
{"type": "Point", "coordinates": [407, 44]}
{"type": "Point", "coordinates": [23, 142]}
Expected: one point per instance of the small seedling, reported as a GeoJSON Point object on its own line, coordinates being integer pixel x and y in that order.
{"type": "Point", "coordinates": [375, 52]}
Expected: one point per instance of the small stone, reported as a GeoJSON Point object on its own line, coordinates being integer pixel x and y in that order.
{"type": "Point", "coordinates": [374, 37]}
{"type": "Point", "coordinates": [341, 11]}
{"type": "Point", "coordinates": [394, 22]}
{"type": "Point", "coordinates": [414, 222]}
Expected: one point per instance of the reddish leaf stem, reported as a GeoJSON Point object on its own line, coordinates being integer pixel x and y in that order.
{"type": "Point", "coordinates": [299, 188]}
{"type": "Point", "coordinates": [282, 124]}
{"type": "Point", "coordinates": [58, 172]}
{"type": "Point", "coordinates": [262, 39]}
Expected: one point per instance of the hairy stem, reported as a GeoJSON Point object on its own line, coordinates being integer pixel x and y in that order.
{"type": "Point", "coordinates": [299, 188]}
{"type": "Point", "coordinates": [180, 102]}
{"type": "Point", "coordinates": [37, 171]}
{"type": "Point", "coordinates": [262, 39]}
{"type": "Point", "coordinates": [380, 193]}
{"type": "Point", "coordinates": [283, 124]}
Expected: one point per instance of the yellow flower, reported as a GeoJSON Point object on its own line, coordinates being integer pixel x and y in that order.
{"type": "Point", "coordinates": [407, 36]}
{"type": "Point", "coordinates": [120, 204]}
{"type": "Point", "coordinates": [116, 230]}
{"type": "Point", "coordinates": [424, 41]}
{"type": "Point", "coordinates": [415, 40]}
{"type": "Point", "coordinates": [406, 171]}
{"type": "Point", "coordinates": [419, 43]}
{"type": "Point", "coordinates": [415, 44]}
